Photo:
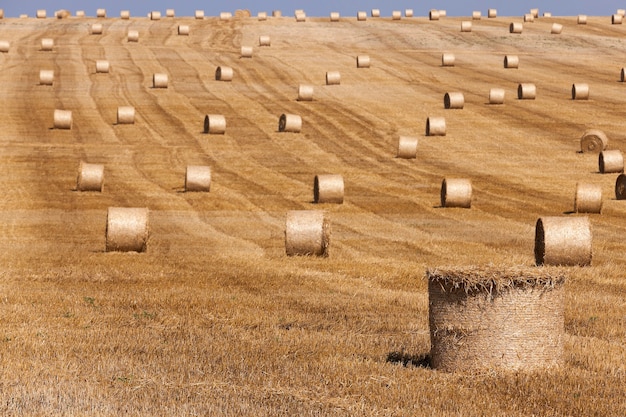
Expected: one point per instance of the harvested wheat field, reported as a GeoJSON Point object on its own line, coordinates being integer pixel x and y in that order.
{"type": "Point", "coordinates": [213, 317]}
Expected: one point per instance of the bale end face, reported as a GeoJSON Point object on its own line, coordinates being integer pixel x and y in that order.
{"type": "Point", "coordinates": [563, 241]}
{"type": "Point", "coordinates": [593, 141]}
{"type": "Point", "coordinates": [127, 229]}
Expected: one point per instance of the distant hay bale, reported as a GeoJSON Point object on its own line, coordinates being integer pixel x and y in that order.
{"type": "Point", "coordinates": [593, 141]}
{"type": "Point", "coordinates": [264, 40]}
{"type": "Point", "coordinates": [41, 14]}
{"type": "Point", "coordinates": [534, 12]}
{"type": "Point", "coordinates": [486, 319]}
{"type": "Point", "coordinates": [101, 13]}
{"type": "Point", "coordinates": [1, 13]}
{"type": "Point", "coordinates": [133, 36]}
{"type": "Point", "coordinates": [622, 75]}
{"type": "Point", "coordinates": [492, 13]}
{"type": "Point", "coordinates": [62, 14]}
{"type": "Point", "coordinates": [436, 126]}
{"type": "Point", "coordinates": [155, 15]}
{"type": "Point", "coordinates": [307, 233]}
{"type": "Point", "coordinates": [447, 59]}
{"type": "Point", "coordinates": [529, 18]}
{"type": "Point", "coordinates": [466, 26]}
{"type": "Point", "coordinates": [199, 14]}
{"type": "Point", "coordinates": [407, 147]}
{"type": "Point", "coordinates": [496, 96]}
{"type": "Point", "coordinates": [125, 14]}
{"type": "Point", "coordinates": [620, 187]}
{"type": "Point", "coordinates": [90, 177]}
{"type": "Point", "coordinates": [46, 77]}
{"type": "Point", "coordinates": [261, 16]}
{"type": "Point", "coordinates": [62, 119]}
{"type": "Point", "coordinates": [125, 115]}
{"type": "Point", "coordinates": [170, 13]}
{"type": "Point", "coordinates": [96, 29]}
{"type": "Point", "coordinates": [198, 178]}
{"type": "Point", "coordinates": [580, 91]}
{"type": "Point", "coordinates": [563, 241]}
{"type": "Point", "coordinates": [223, 73]}
{"type": "Point", "coordinates": [516, 27]}
{"type": "Point", "coordinates": [396, 15]}
{"type": "Point", "coordinates": [23, 16]}
{"type": "Point", "coordinates": [305, 92]}
{"type": "Point", "coordinates": [80, 13]}
{"type": "Point", "coordinates": [289, 123]}
{"type": "Point", "coordinates": [328, 188]}
{"type": "Point", "coordinates": [127, 229]}
{"type": "Point", "coordinates": [4, 46]}
{"type": "Point", "coordinates": [588, 198]}
{"type": "Point", "coordinates": [242, 13]}
{"type": "Point", "coordinates": [375, 13]}
{"type": "Point", "coordinates": [183, 30]}
{"type": "Point", "coordinates": [361, 16]}
{"type": "Point", "coordinates": [300, 16]}
{"type": "Point", "coordinates": [226, 15]}
{"type": "Point", "coordinates": [277, 13]}
{"type": "Point", "coordinates": [160, 80]}
{"type": "Point", "coordinates": [334, 16]}
{"type": "Point", "coordinates": [582, 19]}
{"type": "Point", "coordinates": [616, 19]}
{"type": "Point", "coordinates": [246, 52]}
{"type": "Point", "coordinates": [433, 15]}
{"type": "Point", "coordinates": [442, 13]}
{"type": "Point", "coordinates": [47, 44]}
{"type": "Point", "coordinates": [102, 66]}
{"type": "Point", "coordinates": [547, 14]}
{"type": "Point", "coordinates": [456, 192]}
{"type": "Point", "coordinates": [526, 91]}
{"type": "Point", "coordinates": [408, 12]}
{"type": "Point", "coordinates": [511, 61]}
{"type": "Point", "coordinates": [611, 161]}
{"type": "Point", "coordinates": [476, 15]}
{"type": "Point", "coordinates": [556, 29]}
{"type": "Point", "coordinates": [621, 12]}
{"type": "Point", "coordinates": [214, 124]}
{"type": "Point", "coordinates": [454, 100]}
{"type": "Point", "coordinates": [363, 61]}
{"type": "Point", "coordinates": [333, 78]}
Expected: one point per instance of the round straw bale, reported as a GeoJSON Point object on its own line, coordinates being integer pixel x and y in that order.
{"type": "Point", "coordinates": [328, 188]}
{"type": "Point", "coordinates": [516, 27]}
{"type": "Point", "coordinates": [361, 16]}
{"type": "Point", "coordinates": [125, 115]}
{"type": "Point", "coordinates": [526, 91]}
{"type": "Point", "coordinates": [476, 15]}
{"type": "Point", "coordinates": [125, 14]}
{"type": "Point", "coordinates": [433, 15]}
{"type": "Point", "coordinates": [564, 241]}
{"type": "Point", "coordinates": [4, 46]}
{"type": "Point", "coordinates": [511, 61]}
{"type": "Point", "coordinates": [407, 147]}
{"type": "Point", "coordinates": [277, 13]}
{"type": "Point", "coordinates": [496, 96]}
{"type": "Point", "coordinates": [611, 161]}
{"type": "Point", "coordinates": [62, 119]}
{"type": "Point", "coordinates": [80, 13]}
{"type": "Point", "coordinates": [492, 13]}
{"type": "Point", "coordinates": [621, 12]}
{"type": "Point", "coordinates": [594, 141]}
{"type": "Point", "coordinates": [155, 15]}
{"type": "Point", "coordinates": [96, 29]}
{"type": "Point", "coordinates": [622, 75]}
{"type": "Point", "coordinates": [494, 318]}
{"type": "Point", "coordinates": [47, 44]}
{"type": "Point", "coordinates": [305, 92]}
{"type": "Point", "coordinates": [363, 61]}
{"type": "Point", "coordinates": [436, 126]}
{"type": "Point", "coordinates": [1, 13]}
{"type": "Point", "coordinates": [529, 18]}
{"type": "Point", "coordinates": [588, 198]}
{"type": "Point", "coordinates": [199, 14]}
{"type": "Point", "coordinates": [300, 17]}
{"type": "Point", "coordinates": [127, 229]}
{"type": "Point", "coordinates": [620, 187]}
{"type": "Point", "coordinates": [224, 73]}
{"type": "Point", "coordinates": [62, 14]}
{"type": "Point", "coordinates": [90, 177]}
{"type": "Point", "coordinates": [534, 12]}
{"type": "Point", "coordinates": [226, 15]}
{"type": "Point", "coordinates": [102, 66]}
{"type": "Point", "coordinates": [616, 19]}
{"type": "Point", "coordinates": [456, 192]}
{"type": "Point", "coordinates": [214, 124]}
{"type": "Point", "coordinates": [261, 16]}
{"type": "Point", "coordinates": [582, 19]}
{"type": "Point", "coordinates": [334, 16]}
{"type": "Point", "coordinates": [333, 78]}
{"type": "Point", "coordinates": [556, 29]}
{"type": "Point", "coordinates": [454, 100]}
{"type": "Point", "coordinates": [246, 52]}
{"type": "Point", "coordinates": [289, 123]}
{"type": "Point", "coordinates": [159, 80]}
{"type": "Point", "coordinates": [396, 15]}
{"type": "Point", "coordinates": [170, 13]}
{"type": "Point", "coordinates": [466, 26]}
{"type": "Point", "coordinates": [101, 13]}
{"type": "Point", "coordinates": [133, 36]}
{"type": "Point", "coordinates": [264, 40]}
{"type": "Point", "coordinates": [547, 14]}
{"type": "Point", "coordinates": [41, 14]}
{"type": "Point", "coordinates": [198, 178]}
{"type": "Point", "coordinates": [307, 233]}
{"type": "Point", "coordinates": [183, 30]}
{"type": "Point", "coordinates": [580, 91]}
{"type": "Point", "coordinates": [46, 77]}
{"type": "Point", "coordinates": [442, 13]}
{"type": "Point", "coordinates": [23, 16]}
{"type": "Point", "coordinates": [375, 13]}
{"type": "Point", "coordinates": [447, 59]}
{"type": "Point", "coordinates": [408, 12]}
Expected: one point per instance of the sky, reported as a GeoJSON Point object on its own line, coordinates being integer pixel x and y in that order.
{"type": "Point", "coordinates": [14, 8]}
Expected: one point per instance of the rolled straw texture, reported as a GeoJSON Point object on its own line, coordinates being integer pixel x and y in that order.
{"type": "Point", "coordinates": [363, 61]}
{"type": "Point", "coordinates": [588, 198]}
{"type": "Point", "coordinates": [224, 73]}
{"type": "Point", "coordinates": [476, 15]}
{"type": "Point", "coordinates": [261, 16]}
{"type": "Point", "coordinates": [496, 319]}
{"type": "Point", "coordinates": [125, 14]}
{"type": "Point", "coordinates": [96, 29]}
{"type": "Point", "coordinates": [547, 14]}
{"type": "Point", "coordinates": [620, 187]}
{"type": "Point", "coordinates": [300, 17]}
{"type": "Point", "coordinates": [127, 229]}
{"type": "Point", "coordinates": [160, 80]}
{"type": "Point", "coordinates": [41, 14]}
{"type": "Point", "coordinates": [466, 26]}
{"type": "Point", "coordinates": [621, 12]}
{"type": "Point", "coordinates": [407, 147]}
{"type": "Point", "coordinates": [214, 124]}
{"type": "Point", "coordinates": [101, 13]}
{"type": "Point", "coordinates": [433, 15]}
{"type": "Point", "coordinates": [447, 60]}
{"type": "Point", "coordinates": [133, 36]}
{"type": "Point", "coordinates": [198, 178]}
{"type": "Point", "coordinates": [408, 13]}
{"type": "Point", "coordinates": [361, 16]}
{"type": "Point", "coordinates": [246, 52]}
{"type": "Point", "coordinates": [46, 77]}
{"type": "Point", "coordinates": [529, 18]}
{"type": "Point", "coordinates": [307, 233]}
{"type": "Point", "coordinates": [264, 40]}
{"type": "Point", "coordinates": [616, 19]}
{"type": "Point", "coordinates": [582, 19]}
{"type": "Point", "coordinates": [511, 61]}
{"type": "Point", "coordinates": [102, 66]}
{"type": "Point", "coordinates": [62, 119]}
{"type": "Point", "coordinates": [534, 12]}
{"type": "Point", "coordinates": [199, 14]}
{"type": "Point", "coordinates": [183, 30]}
{"type": "Point", "coordinates": [556, 29]}
{"type": "Point", "coordinates": [594, 141]}
{"type": "Point", "coordinates": [526, 91]}
{"type": "Point", "coordinates": [496, 96]}
{"type": "Point", "coordinates": [226, 15]}
{"type": "Point", "coordinates": [375, 13]}
{"type": "Point", "coordinates": [305, 92]}
{"type": "Point", "coordinates": [125, 115]}
{"type": "Point", "coordinates": [456, 192]}
{"type": "Point", "coordinates": [90, 177]}
{"type": "Point", "coordinates": [328, 188]}
{"type": "Point", "coordinates": [564, 241]}
{"type": "Point", "coordinates": [611, 161]}
{"type": "Point", "coordinates": [333, 78]}
{"type": "Point", "coordinates": [580, 91]}
{"type": "Point", "coordinates": [454, 100]}
{"type": "Point", "coordinates": [155, 15]}
{"type": "Point", "coordinates": [170, 13]}
{"type": "Point", "coordinates": [396, 15]}
{"type": "Point", "coordinates": [334, 16]}
{"type": "Point", "coordinates": [442, 13]}
{"type": "Point", "coordinates": [436, 126]}
{"type": "Point", "coordinates": [277, 13]}
{"type": "Point", "coordinates": [516, 27]}
{"type": "Point", "coordinates": [5, 46]}
{"type": "Point", "coordinates": [289, 123]}
{"type": "Point", "coordinates": [47, 44]}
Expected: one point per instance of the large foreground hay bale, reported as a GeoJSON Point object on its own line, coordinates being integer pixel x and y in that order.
{"type": "Point", "coordinates": [214, 124]}
{"type": "Point", "coordinates": [125, 115]}
{"type": "Point", "coordinates": [305, 92]}
{"type": "Point", "coordinates": [289, 123]}
{"type": "Point", "coordinates": [620, 187]}
{"type": "Point", "coordinates": [328, 188]}
{"type": "Point", "coordinates": [90, 177]}
{"type": "Point", "coordinates": [46, 77]}
{"type": "Point", "coordinates": [102, 66]}
{"type": "Point", "coordinates": [307, 233]}
{"type": "Point", "coordinates": [588, 198]}
{"type": "Point", "coordinates": [447, 59]}
{"type": "Point", "coordinates": [333, 78]}
{"type": "Point", "coordinates": [407, 147]}
{"type": "Point", "coordinates": [496, 96]}
{"type": "Point", "coordinates": [563, 241]}
{"type": "Point", "coordinates": [62, 119]}
{"type": "Point", "coordinates": [502, 319]}
{"type": "Point", "coordinates": [456, 192]}
{"type": "Point", "coordinates": [127, 229]}
{"type": "Point", "coordinates": [198, 178]}
{"type": "Point", "coordinates": [593, 141]}
{"type": "Point", "coordinates": [454, 100]}
{"type": "Point", "coordinates": [526, 91]}
{"type": "Point", "coordinates": [580, 91]}
{"type": "Point", "coordinates": [223, 73]}
{"type": "Point", "coordinates": [611, 161]}
{"type": "Point", "coordinates": [160, 80]}
{"type": "Point", "coordinates": [436, 126]}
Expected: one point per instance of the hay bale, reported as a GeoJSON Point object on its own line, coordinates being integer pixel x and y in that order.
{"type": "Point", "coordinates": [556, 29]}
{"type": "Point", "coordinates": [242, 13]}
{"type": "Point", "coordinates": [183, 30]}
{"type": "Point", "coordinates": [125, 14]}
{"type": "Point", "coordinates": [246, 52]}
{"type": "Point", "coordinates": [80, 13]}
{"type": "Point", "coordinates": [516, 27]}
{"type": "Point", "coordinates": [529, 18]}
{"type": "Point", "coordinates": [496, 96]}
{"type": "Point", "coordinates": [170, 13]}
{"type": "Point", "coordinates": [408, 12]}
{"type": "Point", "coordinates": [125, 115]}
{"type": "Point", "coordinates": [442, 13]}
{"type": "Point", "coordinates": [47, 44]}
{"type": "Point", "coordinates": [133, 36]}
{"type": "Point", "coordinates": [334, 16]}
{"type": "Point", "coordinates": [492, 13]}
{"type": "Point", "coordinates": [307, 233]}
{"type": "Point", "coordinates": [564, 241]}
{"type": "Point", "coordinates": [62, 119]}
{"type": "Point", "coordinates": [622, 75]}
{"type": "Point", "coordinates": [4, 46]}
{"type": "Point", "coordinates": [224, 73]}
{"type": "Point", "coordinates": [611, 161]}
{"type": "Point", "coordinates": [511, 61]}
{"type": "Point", "coordinates": [46, 77]}
{"type": "Point", "coordinates": [102, 66]}
{"type": "Point", "coordinates": [214, 124]}
{"type": "Point", "coordinates": [226, 15]}
{"type": "Point", "coordinates": [466, 26]}
{"type": "Point", "coordinates": [155, 15]}
{"type": "Point", "coordinates": [199, 14]}
{"type": "Point", "coordinates": [433, 15]}
{"type": "Point", "coordinates": [62, 14]}
{"type": "Point", "coordinates": [261, 16]}
{"type": "Point", "coordinates": [526, 91]}
{"type": "Point", "coordinates": [621, 12]}
{"type": "Point", "coordinates": [1, 13]}
{"type": "Point", "coordinates": [454, 100]}
{"type": "Point", "coordinates": [41, 14]}
{"type": "Point", "coordinates": [476, 15]}
{"type": "Point", "coordinates": [277, 13]}
{"type": "Point", "coordinates": [580, 91]}
{"type": "Point", "coordinates": [305, 92]}
{"type": "Point", "coordinates": [363, 61]}
{"type": "Point", "coordinates": [264, 40]}
{"type": "Point", "coordinates": [127, 229]}
{"type": "Point", "coordinates": [90, 177]}
{"type": "Point", "coordinates": [407, 147]}
{"type": "Point", "coordinates": [328, 188]}
{"type": "Point", "coordinates": [620, 187]}
{"type": "Point", "coordinates": [594, 141]}
{"type": "Point", "coordinates": [436, 126]}
{"type": "Point", "coordinates": [547, 14]}
{"type": "Point", "coordinates": [588, 198]}
{"type": "Point", "coordinates": [456, 192]}
{"type": "Point", "coordinates": [616, 19]}
{"type": "Point", "coordinates": [361, 16]}
{"type": "Point", "coordinates": [198, 178]}
{"type": "Point", "coordinates": [375, 13]}
{"type": "Point", "coordinates": [160, 80]}
{"type": "Point", "coordinates": [447, 59]}
{"type": "Point", "coordinates": [396, 15]}
{"type": "Point", "coordinates": [300, 16]}
{"type": "Point", "coordinates": [534, 12]}
{"type": "Point", "coordinates": [96, 29]}
{"type": "Point", "coordinates": [333, 78]}
{"type": "Point", "coordinates": [582, 19]}
{"type": "Point", "coordinates": [102, 13]}
{"type": "Point", "coordinates": [486, 319]}
{"type": "Point", "coordinates": [289, 123]}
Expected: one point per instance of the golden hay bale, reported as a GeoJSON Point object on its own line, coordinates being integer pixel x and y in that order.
{"type": "Point", "coordinates": [622, 75]}
{"type": "Point", "coordinates": [611, 161]}
{"type": "Point", "coordinates": [62, 14]}
{"type": "Point", "coordinates": [436, 126]}
{"type": "Point", "coordinates": [264, 40]}
{"type": "Point", "coordinates": [456, 192]}
{"type": "Point", "coordinates": [300, 16]}
{"type": "Point", "coordinates": [1, 13]}
{"type": "Point", "coordinates": [454, 100]}
{"type": "Point", "coordinates": [170, 13]}
{"type": "Point", "coordinates": [242, 13]}
{"type": "Point", "coordinates": [125, 115]}
{"type": "Point", "coordinates": [46, 77]}
{"type": "Point", "coordinates": [616, 19]}
{"type": "Point", "coordinates": [593, 140]}
{"type": "Point", "coordinates": [307, 233]}
{"type": "Point", "coordinates": [588, 198]}
{"type": "Point", "coordinates": [183, 30]}
{"type": "Point", "coordinates": [564, 241]}
{"type": "Point", "coordinates": [433, 15]}
{"type": "Point", "coordinates": [334, 16]}
{"type": "Point", "coordinates": [214, 124]}
{"type": "Point", "coordinates": [277, 13]}
{"type": "Point", "coordinates": [62, 119]}
{"type": "Point", "coordinates": [47, 44]}
{"type": "Point", "coordinates": [289, 123]}
{"type": "Point", "coordinates": [90, 177]}
{"type": "Point", "coordinates": [127, 229]}
{"type": "Point", "coordinates": [80, 13]}
{"type": "Point", "coordinates": [125, 14]}
{"type": "Point", "coordinates": [621, 12]}
{"type": "Point", "coordinates": [496, 96]}
{"type": "Point", "coordinates": [442, 13]}
{"type": "Point", "coordinates": [485, 319]}
{"type": "Point", "coordinates": [101, 13]}
{"type": "Point", "coordinates": [160, 80]}
{"type": "Point", "coordinates": [224, 73]}
{"type": "Point", "coordinates": [96, 29]}
{"type": "Point", "coordinates": [620, 187]}
{"type": "Point", "coordinates": [23, 16]}
{"type": "Point", "coordinates": [199, 14]}
{"type": "Point", "coordinates": [396, 15]}
{"type": "Point", "coordinates": [198, 178]}
{"type": "Point", "coordinates": [582, 19]}
{"type": "Point", "coordinates": [476, 15]}
{"type": "Point", "coordinates": [526, 91]}
{"type": "Point", "coordinates": [407, 147]}
{"type": "Point", "coordinates": [361, 16]}
{"type": "Point", "coordinates": [375, 13]}
{"type": "Point", "coordinates": [4, 46]}
{"type": "Point", "coordinates": [556, 29]}
{"type": "Point", "coordinates": [466, 26]}
{"type": "Point", "coordinates": [516, 27]}
{"type": "Point", "coordinates": [305, 92]}
{"type": "Point", "coordinates": [534, 12]}
{"type": "Point", "coordinates": [226, 15]}
{"type": "Point", "coordinates": [529, 18]}
{"type": "Point", "coordinates": [447, 59]}
{"type": "Point", "coordinates": [511, 61]}
{"type": "Point", "coordinates": [246, 52]}
{"type": "Point", "coordinates": [261, 16]}
{"type": "Point", "coordinates": [328, 188]}
{"type": "Point", "coordinates": [492, 13]}
{"type": "Point", "coordinates": [363, 61]}
{"type": "Point", "coordinates": [155, 15]}
{"type": "Point", "coordinates": [408, 12]}
{"type": "Point", "coordinates": [133, 36]}
{"type": "Point", "coordinates": [102, 66]}
{"type": "Point", "coordinates": [333, 78]}
{"type": "Point", "coordinates": [580, 91]}
{"type": "Point", "coordinates": [41, 14]}
{"type": "Point", "coordinates": [547, 14]}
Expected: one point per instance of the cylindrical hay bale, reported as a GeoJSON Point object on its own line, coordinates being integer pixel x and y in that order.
{"type": "Point", "coordinates": [363, 61]}
{"type": "Point", "coordinates": [261, 16]}
{"type": "Point", "coordinates": [289, 123]}
{"type": "Point", "coordinates": [622, 75]}
{"type": "Point", "coordinates": [62, 119]}
{"type": "Point", "coordinates": [526, 91]}
{"type": "Point", "coordinates": [170, 13]}
{"type": "Point", "coordinates": [407, 147]}
{"type": "Point", "coordinates": [442, 13]}
{"type": "Point", "coordinates": [277, 13]}
{"type": "Point", "coordinates": [183, 30]}
{"type": "Point", "coordinates": [361, 16]}
{"type": "Point", "coordinates": [496, 96]}
{"type": "Point", "coordinates": [133, 36]}
{"type": "Point", "coordinates": [620, 187]}
{"type": "Point", "coordinates": [155, 15]}
{"type": "Point", "coordinates": [534, 12]}
{"type": "Point", "coordinates": [159, 80]}
{"type": "Point", "coordinates": [611, 161]}
{"type": "Point", "coordinates": [408, 12]}
{"type": "Point", "coordinates": [46, 77]}
{"type": "Point", "coordinates": [396, 15]}
{"type": "Point", "coordinates": [96, 29]}
{"type": "Point", "coordinates": [305, 92]}
{"type": "Point", "coordinates": [307, 233]}
{"type": "Point", "coordinates": [41, 14]}
{"type": "Point", "coordinates": [492, 13]}
{"type": "Point", "coordinates": [334, 16]}
{"type": "Point", "coordinates": [454, 100]}
{"type": "Point", "coordinates": [127, 229]}
{"type": "Point", "coordinates": [556, 29]}
{"type": "Point", "coordinates": [125, 14]}
{"type": "Point", "coordinates": [224, 73]}
{"type": "Point", "coordinates": [621, 12]}
{"type": "Point", "coordinates": [476, 15]}
{"type": "Point", "coordinates": [80, 13]}
{"type": "Point", "coordinates": [564, 241]}
{"type": "Point", "coordinates": [593, 141]}
{"type": "Point", "coordinates": [447, 59]}
{"type": "Point", "coordinates": [582, 19]}
{"type": "Point", "coordinates": [516, 27]}
{"type": "Point", "coordinates": [375, 13]}
{"type": "Point", "coordinates": [529, 18]}
{"type": "Point", "coordinates": [5, 46]}
{"type": "Point", "coordinates": [226, 15]}
{"type": "Point", "coordinates": [456, 192]}
{"type": "Point", "coordinates": [466, 26]}
{"type": "Point", "coordinates": [246, 52]}
{"type": "Point", "coordinates": [511, 61]}
{"type": "Point", "coordinates": [90, 177]}
{"type": "Point", "coordinates": [101, 13]}
{"type": "Point", "coordinates": [328, 189]}
{"type": "Point", "coordinates": [496, 319]}
{"type": "Point", "coordinates": [580, 91]}
{"type": "Point", "coordinates": [588, 198]}
{"type": "Point", "coordinates": [125, 115]}
{"type": "Point", "coordinates": [102, 66]}
{"type": "Point", "coordinates": [616, 19]}
{"type": "Point", "coordinates": [547, 14]}
{"type": "Point", "coordinates": [214, 124]}
{"type": "Point", "coordinates": [264, 40]}
{"type": "Point", "coordinates": [433, 15]}
{"type": "Point", "coordinates": [47, 44]}
{"type": "Point", "coordinates": [436, 126]}
{"type": "Point", "coordinates": [198, 178]}
{"type": "Point", "coordinates": [1, 13]}
{"type": "Point", "coordinates": [333, 78]}
{"type": "Point", "coordinates": [300, 17]}
{"type": "Point", "coordinates": [199, 14]}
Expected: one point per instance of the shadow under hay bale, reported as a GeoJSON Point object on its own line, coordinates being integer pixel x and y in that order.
{"type": "Point", "coordinates": [611, 162]}
{"type": "Point", "coordinates": [90, 177]}
{"type": "Point", "coordinates": [328, 188]}
{"type": "Point", "coordinates": [307, 233]}
{"type": "Point", "coordinates": [127, 229]}
{"type": "Point", "coordinates": [588, 198]}
{"type": "Point", "coordinates": [593, 141]}
{"type": "Point", "coordinates": [406, 359]}
{"type": "Point", "coordinates": [564, 241]}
